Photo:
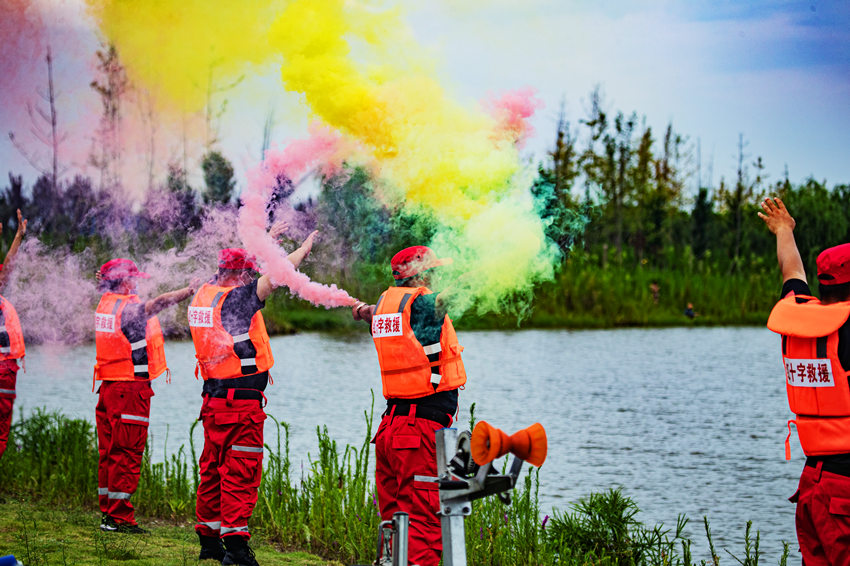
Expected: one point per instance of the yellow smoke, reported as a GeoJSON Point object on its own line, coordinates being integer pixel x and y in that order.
{"type": "Point", "coordinates": [361, 72]}
{"type": "Point", "coordinates": [181, 49]}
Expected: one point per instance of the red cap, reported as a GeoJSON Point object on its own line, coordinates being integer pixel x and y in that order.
{"type": "Point", "coordinates": [120, 268]}
{"type": "Point", "coordinates": [235, 258]}
{"type": "Point", "coordinates": [834, 265]}
{"type": "Point", "coordinates": [410, 261]}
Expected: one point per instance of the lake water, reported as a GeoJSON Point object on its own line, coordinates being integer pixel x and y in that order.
{"type": "Point", "coordinates": [686, 420]}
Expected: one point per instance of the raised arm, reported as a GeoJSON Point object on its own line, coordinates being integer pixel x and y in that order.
{"type": "Point", "coordinates": [780, 222]}
{"type": "Point", "coordinates": [264, 283]}
{"type": "Point", "coordinates": [154, 306]}
{"type": "Point", "coordinates": [13, 249]}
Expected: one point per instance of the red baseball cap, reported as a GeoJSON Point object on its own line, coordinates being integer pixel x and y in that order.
{"type": "Point", "coordinates": [834, 265]}
{"type": "Point", "coordinates": [120, 268]}
{"type": "Point", "coordinates": [410, 261]}
{"type": "Point", "coordinates": [235, 258]}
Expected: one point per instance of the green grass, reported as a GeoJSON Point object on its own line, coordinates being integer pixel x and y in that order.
{"type": "Point", "coordinates": [42, 534]}
{"type": "Point", "coordinates": [49, 515]}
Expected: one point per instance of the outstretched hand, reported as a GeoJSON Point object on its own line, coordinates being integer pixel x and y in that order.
{"type": "Point", "coordinates": [776, 216]}
{"type": "Point", "coordinates": [22, 224]}
{"type": "Point", "coordinates": [278, 229]}
{"type": "Point", "coordinates": [307, 245]}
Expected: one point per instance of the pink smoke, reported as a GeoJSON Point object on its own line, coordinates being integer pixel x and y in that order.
{"type": "Point", "coordinates": [293, 161]}
{"type": "Point", "coordinates": [512, 111]}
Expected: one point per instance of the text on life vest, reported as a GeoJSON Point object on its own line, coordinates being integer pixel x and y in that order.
{"type": "Point", "coordinates": [384, 325]}
{"type": "Point", "coordinates": [809, 373]}
{"type": "Point", "coordinates": [104, 322]}
{"type": "Point", "coordinates": [201, 316]}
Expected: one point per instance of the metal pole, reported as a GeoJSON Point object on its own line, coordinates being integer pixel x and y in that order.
{"type": "Point", "coordinates": [451, 520]}
{"type": "Point", "coordinates": [401, 522]}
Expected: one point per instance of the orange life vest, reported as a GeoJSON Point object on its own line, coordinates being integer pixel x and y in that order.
{"type": "Point", "coordinates": [115, 353]}
{"type": "Point", "coordinates": [406, 370]}
{"type": "Point", "coordinates": [214, 346]}
{"type": "Point", "coordinates": [11, 336]}
{"type": "Point", "coordinates": [816, 383]}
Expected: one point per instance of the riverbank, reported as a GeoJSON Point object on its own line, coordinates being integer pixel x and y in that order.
{"type": "Point", "coordinates": [48, 511]}
{"type": "Point", "coordinates": [582, 295]}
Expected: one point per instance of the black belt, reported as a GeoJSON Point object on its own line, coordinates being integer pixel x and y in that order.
{"type": "Point", "coordinates": [841, 468]}
{"type": "Point", "coordinates": [237, 394]}
{"type": "Point", "coordinates": [422, 412]}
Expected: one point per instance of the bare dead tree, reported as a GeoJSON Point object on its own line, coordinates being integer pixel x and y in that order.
{"type": "Point", "coordinates": [111, 87]}
{"type": "Point", "coordinates": [45, 128]}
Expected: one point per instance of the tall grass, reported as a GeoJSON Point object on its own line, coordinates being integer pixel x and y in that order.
{"type": "Point", "coordinates": [330, 508]}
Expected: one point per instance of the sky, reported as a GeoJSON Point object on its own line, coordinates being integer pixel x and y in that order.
{"type": "Point", "coordinates": [775, 72]}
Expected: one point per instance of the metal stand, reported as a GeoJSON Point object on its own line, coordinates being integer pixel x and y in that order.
{"type": "Point", "coordinates": [461, 482]}
{"type": "Point", "coordinates": [392, 540]}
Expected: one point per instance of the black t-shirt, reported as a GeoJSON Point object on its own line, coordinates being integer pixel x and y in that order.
{"type": "Point", "coordinates": [800, 287]}
{"type": "Point", "coordinates": [237, 310]}
{"type": "Point", "coordinates": [427, 325]}
{"type": "Point", "coordinates": [134, 322]}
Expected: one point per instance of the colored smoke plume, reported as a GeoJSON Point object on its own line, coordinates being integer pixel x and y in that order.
{"type": "Point", "coordinates": [362, 74]}
{"type": "Point", "coordinates": [290, 163]}
{"type": "Point", "coordinates": [175, 48]}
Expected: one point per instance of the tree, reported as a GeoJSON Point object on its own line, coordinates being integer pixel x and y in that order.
{"type": "Point", "coordinates": [111, 87]}
{"type": "Point", "coordinates": [218, 176]}
{"type": "Point", "coordinates": [701, 222]}
{"type": "Point", "coordinates": [46, 130]}
{"type": "Point", "coordinates": [738, 200]}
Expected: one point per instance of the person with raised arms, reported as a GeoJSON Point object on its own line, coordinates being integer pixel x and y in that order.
{"type": "Point", "coordinates": [816, 354]}
{"type": "Point", "coordinates": [12, 348]}
{"type": "Point", "coordinates": [130, 354]}
{"type": "Point", "coordinates": [234, 359]}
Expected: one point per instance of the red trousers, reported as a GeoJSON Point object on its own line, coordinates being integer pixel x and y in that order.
{"type": "Point", "coordinates": [122, 417]}
{"type": "Point", "coordinates": [823, 517]}
{"type": "Point", "coordinates": [231, 466]}
{"type": "Point", "coordinates": [405, 446]}
{"type": "Point", "coordinates": [7, 399]}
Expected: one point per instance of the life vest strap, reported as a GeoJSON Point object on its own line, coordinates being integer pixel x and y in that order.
{"type": "Point", "coordinates": [438, 363]}
{"type": "Point", "coordinates": [788, 440]}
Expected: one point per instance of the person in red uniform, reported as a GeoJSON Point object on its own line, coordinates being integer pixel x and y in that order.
{"type": "Point", "coordinates": [421, 372]}
{"type": "Point", "coordinates": [234, 358]}
{"type": "Point", "coordinates": [816, 354]}
{"type": "Point", "coordinates": [12, 349]}
{"type": "Point", "coordinates": [130, 354]}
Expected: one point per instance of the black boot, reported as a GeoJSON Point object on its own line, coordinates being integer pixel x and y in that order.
{"type": "Point", "coordinates": [238, 552]}
{"type": "Point", "coordinates": [211, 548]}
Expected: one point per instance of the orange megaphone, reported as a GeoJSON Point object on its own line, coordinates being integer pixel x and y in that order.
{"type": "Point", "coordinates": [489, 443]}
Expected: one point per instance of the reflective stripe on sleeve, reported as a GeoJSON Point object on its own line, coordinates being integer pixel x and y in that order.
{"type": "Point", "coordinates": [432, 349]}
{"type": "Point", "coordinates": [249, 362]}
{"type": "Point", "coordinates": [241, 337]}
{"type": "Point", "coordinates": [231, 530]}
{"type": "Point", "coordinates": [136, 418]}
{"type": "Point", "coordinates": [118, 495]}
{"type": "Point", "coordinates": [255, 449]}
{"type": "Point", "coordinates": [140, 344]}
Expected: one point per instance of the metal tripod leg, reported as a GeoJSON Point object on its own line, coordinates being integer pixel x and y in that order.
{"type": "Point", "coordinates": [452, 514]}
